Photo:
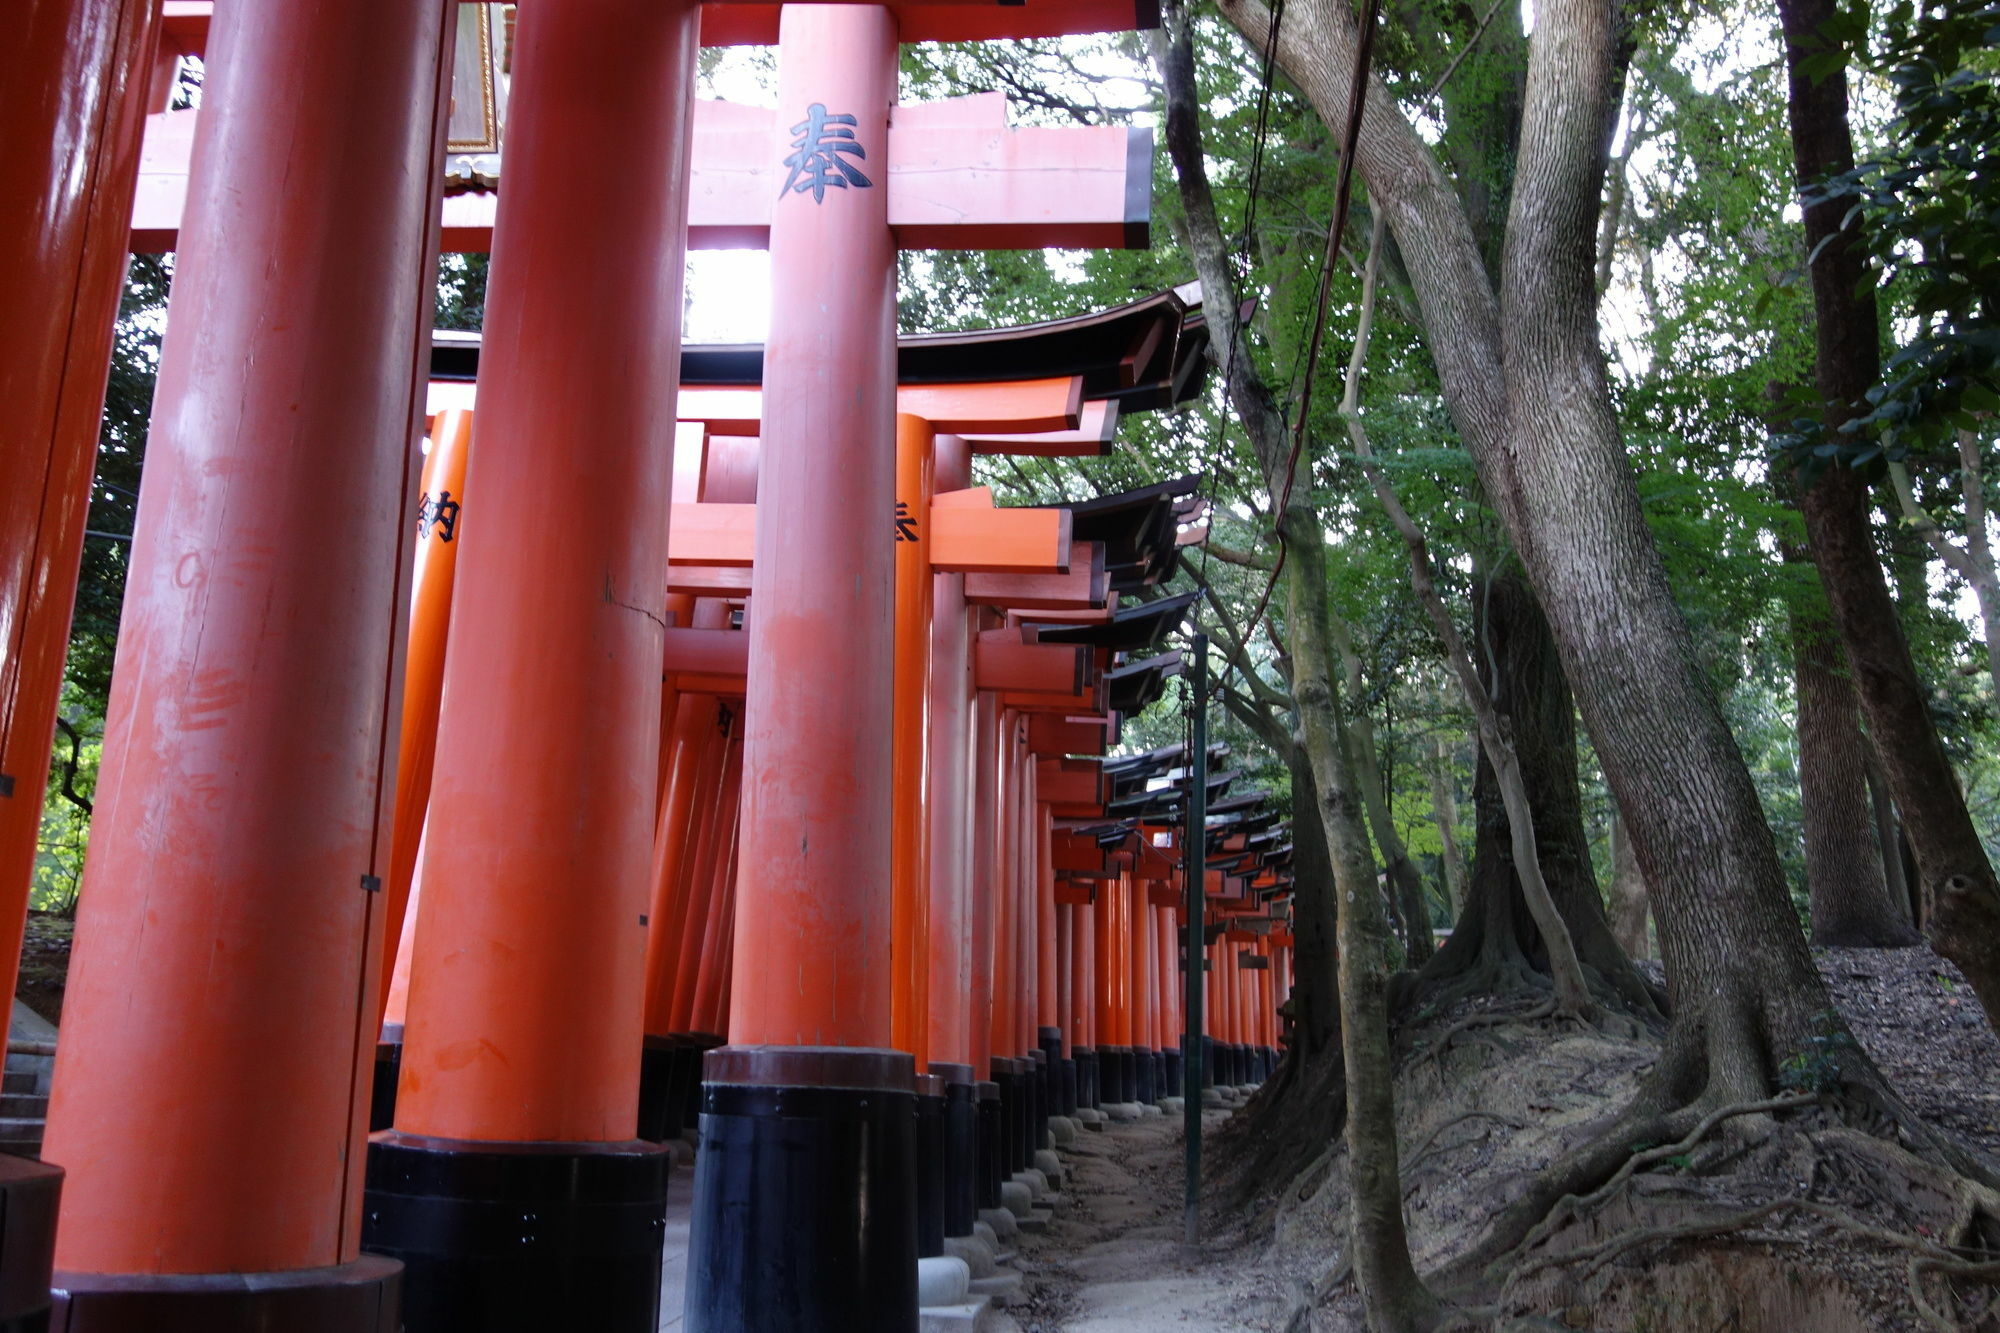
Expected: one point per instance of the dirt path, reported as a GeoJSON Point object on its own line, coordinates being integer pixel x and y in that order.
{"type": "Point", "coordinates": [1112, 1259]}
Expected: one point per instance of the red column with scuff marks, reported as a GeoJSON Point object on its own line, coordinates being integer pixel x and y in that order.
{"type": "Point", "coordinates": [814, 900]}
{"type": "Point", "coordinates": [909, 946]}
{"type": "Point", "coordinates": [210, 1099]}
{"type": "Point", "coordinates": [73, 86]}
{"type": "Point", "coordinates": [949, 975]}
{"type": "Point", "coordinates": [527, 988]}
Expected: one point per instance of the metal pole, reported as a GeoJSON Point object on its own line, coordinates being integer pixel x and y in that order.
{"type": "Point", "coordinates": [1194, 845]}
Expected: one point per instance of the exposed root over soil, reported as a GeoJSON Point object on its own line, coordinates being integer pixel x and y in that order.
{"type": "Point", "coordinates": [1801, 1211]}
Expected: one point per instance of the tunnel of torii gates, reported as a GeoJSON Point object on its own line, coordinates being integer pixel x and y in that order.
{"type": "Point", "coordinates": [766, 786]}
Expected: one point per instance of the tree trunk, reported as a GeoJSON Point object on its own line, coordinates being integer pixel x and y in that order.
{"type": "Point", "coordinates": [1496, 937]}
{"type": "Point", "coordinates": [1406, 886]}
{"type": "Point", "coordinates": [1524, 378]}
{"type": "Point", "coordinates": [1888, 836]}
{"type": "Point", "coordinates": [1961, 895]}
{"type": "Point", "coordinates": [1629, 904]}
{"type": "Point", "coordinates": [1851, 906]}
{"type": "Point", "coordinates": [1396, 1300]}
{"type": "Point", "coordinates": [1315, 955]}
{"type": "Point", "coordinates": [1444, 811]}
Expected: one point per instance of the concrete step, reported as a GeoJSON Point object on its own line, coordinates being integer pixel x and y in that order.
{"type": "Point", "coordinates": [24, 1106]}
{"type": "Point", "coordinates": [18, 1080]}
{"type": "Point", "coordinates": [975, 1316]}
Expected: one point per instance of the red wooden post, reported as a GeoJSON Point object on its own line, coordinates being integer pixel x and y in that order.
{"type": "Point", "coordinates": [73, 84]}
{"type": "Point", "coordinates": [522, 1042]}
{"type": "Point", "coordinates": [220, 1024]}
{"type": "Point", "coordinates": [949, 867]}
{"type": "Point", "coordinates": [811, 1005]}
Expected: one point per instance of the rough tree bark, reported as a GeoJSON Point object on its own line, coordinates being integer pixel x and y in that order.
{"type": "Point", "coordinates": [1851, 906]}
{"type": "Point", "coordinates": [1394, 1297]}
{"type": "Point", "coordinates": [1572, 992]}
{"type": "Point", "coordinates": [1889, 836]}
{"type": "Point", "coordinates": [1496, 940]}
{"type": "Point", "coordinates": [1523, 376]}
{"type": "Point", "coordinates": [1961, 894]}
{"type": "Point", "coordinates": [1629, 904]}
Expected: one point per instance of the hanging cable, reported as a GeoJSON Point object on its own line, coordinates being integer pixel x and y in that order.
{"type": "Point", "coordinates": [1357, 102]}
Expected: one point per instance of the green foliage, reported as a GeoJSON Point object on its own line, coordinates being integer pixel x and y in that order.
{"type": "Point", "coordinates": [1925, 210]}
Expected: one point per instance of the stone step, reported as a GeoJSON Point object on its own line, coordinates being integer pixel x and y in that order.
{"type": "Point", "coordinates": [24, 1106]}
{"type": "Point", "coordinates": [975, 1316]}
{"type": "Point", "coordinates": [18, 1080]}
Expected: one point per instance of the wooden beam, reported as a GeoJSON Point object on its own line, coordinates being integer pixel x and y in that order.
{"type": "Point", "coordinates": [712, 534]}
{"type": "Point", "coordinates": [710, 651]}
{"type": "Point", "coordinates": [1086, 585]}
{"type": "Point", "coordinates": [1000, 663]}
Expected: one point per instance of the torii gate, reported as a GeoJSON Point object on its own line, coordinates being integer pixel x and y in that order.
{"type": "Point", "coordinates": [245, 818]}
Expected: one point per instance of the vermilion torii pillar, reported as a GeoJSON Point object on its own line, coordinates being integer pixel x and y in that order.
{"type": "Point", "coordinates": [210, 1093]}
{"type": "Point", "coordinates": [804, 1214]}
{"type": "Point", "coordinates": [522, 1040]}
{"type": "Point", "coordinates": [72, 86]}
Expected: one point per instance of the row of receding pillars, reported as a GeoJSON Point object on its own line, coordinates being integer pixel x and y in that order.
{"type": "Point", "coordinates": [224, 1004]}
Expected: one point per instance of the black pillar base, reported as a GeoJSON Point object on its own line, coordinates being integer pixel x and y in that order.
{"type": "Point", "coordinates": [519, 1237]}
{"type": "Point", "coordinates": [1147, 1087]}
{"type": "Point", "coordinates": [1052, 1062]}
{"type": "Point", "coordinates": [992, 1144]}
{"type": "Point", "coordinates": [1039, 1102]}
{"type": "Point", "coordinates": [1008, 1075]}
{"type": "Point", "coordinates": [388, 1070]}
{"type": "Point", "coordinates": [931, 1165]}
{"type": "Point", "coordinates": [1066, 1077]}
{"type": "Point", "coordinates": [660, 1112]}
{"type": "Point", "coordinates": [1086, 1077]}
{"type": "Point", "coordinates": [804, 1193]}
{"type": "Point", "coordinates": [1118, 1064]}
{"type": "Point", "coordinates": [30, 1194]}
{"type": "Point", "coordinates": [361, 1297]}
{"type": "Point", "coordinates": [1176, 1075]}
{"type": "Point", "coordinates": [961, 1147]}
{"type": "Point", "coordinates": [688, 1081]}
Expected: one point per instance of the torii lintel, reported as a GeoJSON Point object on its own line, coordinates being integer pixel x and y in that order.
{"type": "Point", "coordinates": [959, 178]}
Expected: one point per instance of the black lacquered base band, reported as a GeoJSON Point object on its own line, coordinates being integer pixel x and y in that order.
{"type": "Point", "coordinates": [519, 1237]}
{"type": "Point", "coordinates": [961, 1147]}
{"type": "Point", "coordinates": [30, 1194]}
{"type": "Point", "coordinates": [992, 1144]}
{"type": "Point", "coordinates": [805, 1204]}
{"type": "Point", "coordinates": [361, 1297]}
{"type": "Point", "coordinates": [931, 1166]}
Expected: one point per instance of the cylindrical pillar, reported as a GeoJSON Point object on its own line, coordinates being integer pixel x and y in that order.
{"type": "Point", "coordinates": [73, 84]}
{"type": "Point", "coordinates": [716, 839]}
{"type": "Point", "coordinates": [949, 972]}
{"type": "Point", "coordinates": [219, 1033]}
{"type": "Point", "coordinates": [667, 1067]}
{"type": "Point", "coordinates": [804, 1208]}
{"type": "Point", "coordinates": [1139, 918]}
{"type": "Point", "coordinates": [909, 942]}
{"type": "Point", "coordinates": [520, 1074]}
{"type": "Point", "coordinates": [982, 890]}
{"type": "Point", "coordinates": [439, 512]}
